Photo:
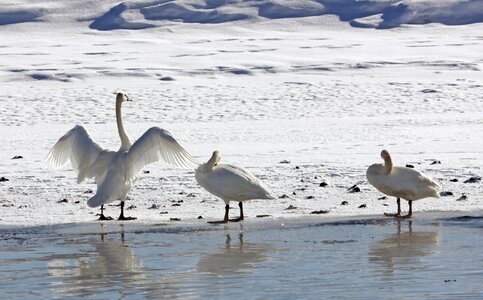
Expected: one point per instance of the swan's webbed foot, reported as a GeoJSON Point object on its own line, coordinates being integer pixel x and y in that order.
{"type": "Point", "coordinates": [225, 219]}
{"type": "Point", "coordinates": [410, 212]}
{"type": "Point", "coordinates": [123, 218]}
{"type": "Point", "coordinates": [408, 216]}
{"type": "Point", "coordinates": [398, 214]}
{"type": "Point", "coordinates": [102, 217]}
{"type": "Point", "coordinates": [218, 222]}
{"type": "Point", "coordinates": [240, 204]}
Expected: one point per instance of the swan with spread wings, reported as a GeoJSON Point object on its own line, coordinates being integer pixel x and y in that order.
{"type": "Point", "coordinates": [116, 171]}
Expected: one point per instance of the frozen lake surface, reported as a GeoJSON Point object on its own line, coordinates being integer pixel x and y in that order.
{"type": "Point", "coordinates": [431, 257]}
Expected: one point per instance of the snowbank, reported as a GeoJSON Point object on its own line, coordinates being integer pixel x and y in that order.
{"type": "Point", "coordinates": [112, 15]}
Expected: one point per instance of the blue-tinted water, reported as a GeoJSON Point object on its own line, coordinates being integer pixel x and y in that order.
{"type": "Point", "coordinates": [363, 259]}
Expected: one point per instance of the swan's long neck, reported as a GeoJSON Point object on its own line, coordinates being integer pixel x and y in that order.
{"type": "Point", "coordinates": [125, 142]}
{"type": "Point", "coordinates": [388, 164]}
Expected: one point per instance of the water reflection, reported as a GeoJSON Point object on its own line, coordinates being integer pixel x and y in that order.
{"type": "Point", "coordinates": [233, 257]}
{"type": "Point", "coordinates": [404, 248]}
{"type": "Point", "coordinates": [110, 267]}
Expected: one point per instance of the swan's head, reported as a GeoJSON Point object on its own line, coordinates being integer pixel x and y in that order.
{"type": "Point", "coordinates": [122, 97]}
{"type": "Point", "coordinates": [211, 163]}
{"type": "Point", "coordinates": [216, 157]}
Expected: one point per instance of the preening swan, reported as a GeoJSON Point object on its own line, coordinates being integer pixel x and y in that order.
{"type": "Point", "coordinates": [116, 171]}
{"type": "Point", "coordinates": [401, 182]}
{"type": "Point", "coordinates": [230, 183]}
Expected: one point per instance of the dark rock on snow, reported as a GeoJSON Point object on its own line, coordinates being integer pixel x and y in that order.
{"type": "Point", "coordinates": [472, 179]}
{"type": "Point", "coordinates": [354, 189]}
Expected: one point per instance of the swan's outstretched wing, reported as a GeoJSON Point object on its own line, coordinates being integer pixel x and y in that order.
{"type": "Point", "coordinates": [154, 145]}
{"type": "Point", "coordinates": [78, 147]}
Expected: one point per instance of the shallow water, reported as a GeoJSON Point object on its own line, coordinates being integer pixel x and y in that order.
{"type": "Point", "coordinates": [370, 258]}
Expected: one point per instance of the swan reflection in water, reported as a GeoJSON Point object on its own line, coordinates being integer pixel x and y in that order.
{"type": "Point", "coordinates": [233, 258]}
{"type": "Point", "coordinates": [404, 249]}
{"type": "Point", "coordinates": [111, 268]}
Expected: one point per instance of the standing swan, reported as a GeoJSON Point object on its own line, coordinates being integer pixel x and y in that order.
{"type": "Point", "coordinates": [401, 182]}
{"type": "Point", "coordinates": [230, 183]}
{"type": "Point", "coordinates": [116, 172]}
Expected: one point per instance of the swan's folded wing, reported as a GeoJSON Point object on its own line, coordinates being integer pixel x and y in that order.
{"type": "Point", "coordinates": [234, 183]}
{"type": "Point", "coordinates": [154, 145]}
{"type": "Point", "coordinates": [78, 147]}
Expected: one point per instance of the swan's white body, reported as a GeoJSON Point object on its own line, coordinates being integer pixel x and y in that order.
{"type": "Point", "coordinates": [401, 182]}
{"type": "Point", "coordinates": [230, 183]}
{"type": "Point", "coordinates": [116, 171]}
{"type": "Point", "coordinates": [404, 183]}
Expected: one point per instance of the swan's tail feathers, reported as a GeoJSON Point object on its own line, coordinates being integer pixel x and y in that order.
{"type": "Point", "coordinates": [96, 200]}
{"type": "Point", "coordinates": [433, 186]}
{"type": "Point", "coordinates": [111, 189]}
{"type": "Point", "coordinates": [270, 195]}
{"type": "Point", "coordinates": [436, 193]}
{"type": "Point", "coordinates": [266, 193]}
{"type": "Point", "coordinates": [433, 183]}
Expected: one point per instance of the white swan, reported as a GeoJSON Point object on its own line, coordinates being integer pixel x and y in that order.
{"type": "Point", "coordinates": [116, 171]}
{"type": "Point", "coordinates": [230, 183]}
{"type": "Point", "coordinates": [401, 182]}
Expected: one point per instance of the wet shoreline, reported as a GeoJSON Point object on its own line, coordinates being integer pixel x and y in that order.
{"type": "Point", "coordinates": [435, 255]}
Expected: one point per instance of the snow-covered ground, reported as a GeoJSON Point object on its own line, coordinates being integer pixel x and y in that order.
{"type": "Point", "coordinates": [325, 85]}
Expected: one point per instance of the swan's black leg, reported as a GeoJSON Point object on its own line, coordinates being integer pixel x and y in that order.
{"type": "Point", "coordinates": [102, 217]}
{"type": "Point", "coordinates": [240, 204]}
{"type": "Point", "coordinates": [410, 213]}
{"type": "Point", "coordinates": [225, 219]}
{"type": "Point", "coordinates": [398, 214]}
{"type": "Point", "coordinates": [122, 217]}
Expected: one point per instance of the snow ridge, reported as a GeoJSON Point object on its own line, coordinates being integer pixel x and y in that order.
{"type": "Point", "coordinates": [135, 15]}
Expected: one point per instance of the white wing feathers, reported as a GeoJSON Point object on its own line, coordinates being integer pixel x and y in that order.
{"type": "Point", "coordinates": [405, 183]}
{"type": "Point", "coordinates": [154, 145]}
{"type": "Point", "coordinates": [78, 147]}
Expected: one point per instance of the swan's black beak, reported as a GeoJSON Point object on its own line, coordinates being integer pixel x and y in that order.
{"type": "Point", "coordinates": [128, 98]}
